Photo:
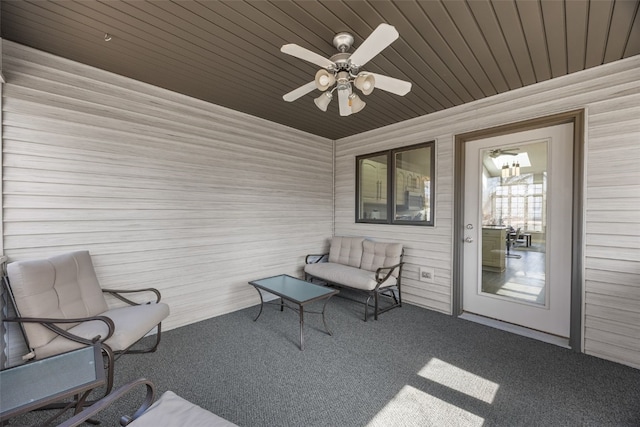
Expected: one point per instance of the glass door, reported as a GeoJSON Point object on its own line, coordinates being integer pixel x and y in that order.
{"type": "Point", "coordinates": [518, 222]}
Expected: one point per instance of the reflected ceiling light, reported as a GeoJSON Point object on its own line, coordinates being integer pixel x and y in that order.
{"type": "Point", "coordinates": [323, 100]}
{"type": "Point", "coordinates": [521, 158]}
{"type": "Point", "coordinates": [365, 83]}
{"type": "Point", "coordinates": [509, 171]}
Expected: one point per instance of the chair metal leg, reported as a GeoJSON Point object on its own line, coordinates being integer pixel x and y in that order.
{"type": "Point", "coordinates": [375, 302]}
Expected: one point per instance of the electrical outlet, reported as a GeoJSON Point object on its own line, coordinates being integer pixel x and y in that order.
{"type": "Point", "coordinates": [427, 274]}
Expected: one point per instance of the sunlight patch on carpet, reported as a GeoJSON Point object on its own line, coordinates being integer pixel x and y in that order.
{"type": "Point", "coordinates": [459, 380]}
{"type": "Point", "coordinates": [413, 407]}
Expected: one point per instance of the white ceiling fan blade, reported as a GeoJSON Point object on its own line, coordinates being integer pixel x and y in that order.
{"type": "Point", "coordinates": [390, 84]}
{"type": "Point", "coordinates": [307, 55]}
{"type": "Point", "coordinates": [381, 37]}
{"type": "Point", "coordinates": [343, 102]}
{"type": "Point", "coordinates": [301, 91]}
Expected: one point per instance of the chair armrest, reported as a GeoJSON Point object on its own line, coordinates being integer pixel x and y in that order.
{"type": "Point", "coordinates": [108, 400]}
{"type": "Point", "coordinates": [116, 293]}
{"type": "Point", "coordinates": [51, 325]}
{"type": "Point", "coordinates": [390, 269]}
{"type": "Point", "coordinates": [309, 259]}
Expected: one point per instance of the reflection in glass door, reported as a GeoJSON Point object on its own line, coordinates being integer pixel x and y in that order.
{"type": "Point", "coordinates": [513, 199]}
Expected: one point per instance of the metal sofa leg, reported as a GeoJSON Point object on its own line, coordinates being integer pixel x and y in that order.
{"type": "Point", "coordinates": [375, 299]}
{"type": "Point", "coordinates": [366, 308]}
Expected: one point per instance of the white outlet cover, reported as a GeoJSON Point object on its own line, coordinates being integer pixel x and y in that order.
{"type": "Point", "coordinates": [426, 274]}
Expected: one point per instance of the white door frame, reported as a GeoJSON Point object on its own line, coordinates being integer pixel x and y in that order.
{"type": "Point", "coordinates": [575, 117]}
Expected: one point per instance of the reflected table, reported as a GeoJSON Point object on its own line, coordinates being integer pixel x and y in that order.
{"type": "Point", "coordinates": [39, 383]}
{"type": "Point", "coordinates": [297, 291]}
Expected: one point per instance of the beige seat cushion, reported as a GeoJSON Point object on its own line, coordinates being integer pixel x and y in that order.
{"type": "Point", "coordinates": [131, 323]}
{"type": "Point", "coordinates": [173, 411]}
{"type": "Point", "coordinates": [349, 276]}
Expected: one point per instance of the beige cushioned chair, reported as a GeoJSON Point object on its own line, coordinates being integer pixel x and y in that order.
{"type": "Point", "coordinates": [61, 307]}
{"type": "Point", "coordinates": [169, 411]}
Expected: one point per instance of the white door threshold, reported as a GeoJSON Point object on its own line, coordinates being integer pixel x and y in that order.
{"type": "Point", "coordinates": [516, 329]}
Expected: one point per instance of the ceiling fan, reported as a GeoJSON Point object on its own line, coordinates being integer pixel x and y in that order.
{"type": "Point", "coordinates": [494, 154]}
{"type": "Point", "coordinates": [344, 69]}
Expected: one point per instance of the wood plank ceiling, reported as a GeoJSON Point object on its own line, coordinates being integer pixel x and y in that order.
{"type": "Point", "coordinates": [228, 52]}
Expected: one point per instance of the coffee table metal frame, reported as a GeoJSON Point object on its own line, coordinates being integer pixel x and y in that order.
{"type": "Point", "coordinates": [297, 291]}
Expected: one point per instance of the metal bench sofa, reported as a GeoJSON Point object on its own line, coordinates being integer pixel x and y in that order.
{"type": "Point", "coordinates": [365, 266]}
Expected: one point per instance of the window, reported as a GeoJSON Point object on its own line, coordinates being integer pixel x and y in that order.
{"type": "Point", "coordinates": [395, 186]}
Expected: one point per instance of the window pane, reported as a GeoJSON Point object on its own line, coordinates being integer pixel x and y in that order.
{"type": "Point", "coordinates": [395, 187]}
{"type": "Point", "coordinates": [372, 178]}
{"type": "Point", "coordinates": [412, 185]}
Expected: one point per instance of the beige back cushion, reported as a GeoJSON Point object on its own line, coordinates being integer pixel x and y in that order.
{"type": "Point", "coordinates": [63, 286]}
{"type": "Point", "coordinates": [378, 254]}
{"type": "Point", "coordinates": [346, 251]}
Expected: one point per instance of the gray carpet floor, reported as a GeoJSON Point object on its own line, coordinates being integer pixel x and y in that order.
{"type": "Point", "coordinates": [412, 367]}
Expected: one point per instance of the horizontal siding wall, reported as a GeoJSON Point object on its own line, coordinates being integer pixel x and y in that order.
{"type": "Point", "coordinates": [163, 190]}
{"type": "Point", "coordinates": [611, 96]}
{"type": "Point", "coordinates": [612, 292]}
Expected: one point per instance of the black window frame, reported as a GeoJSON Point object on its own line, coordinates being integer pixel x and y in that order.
{"type": "Point", "coordinates": [391, 196]}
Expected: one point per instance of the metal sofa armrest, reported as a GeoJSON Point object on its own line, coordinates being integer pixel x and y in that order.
{"type": "Point", "coordinates": [51, 325]}
{"type": "Point", "coordinates": [315, 258]}
{"type": "Point", "coordinates": [108, 400]}
{"type": "Point", "coordinates": [389, 270]}
{"type": "Point", "coordinates": [116, 293]}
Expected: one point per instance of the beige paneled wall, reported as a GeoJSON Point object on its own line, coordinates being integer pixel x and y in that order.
{"type": "Point", "coordinates": [164, 190]}
{"type": "Point", "coordinates": [611, 96]}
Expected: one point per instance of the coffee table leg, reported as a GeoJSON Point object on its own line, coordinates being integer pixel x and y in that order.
{"type": "Point", "coordinates": [261, 304]}
{"type": "Point", "coordinates": [323, 318]}
{"type": "Point", "coordinates": [301, 328]}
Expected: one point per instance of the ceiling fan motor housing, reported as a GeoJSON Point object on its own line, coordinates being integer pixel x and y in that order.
{"type": "Point", "coordinates": [342, 63]}
{"type": "Point", "coordinates": [343, 41]}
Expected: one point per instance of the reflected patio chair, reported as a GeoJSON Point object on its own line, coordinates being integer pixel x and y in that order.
{"type": "Point", "coordinates": [512, 242]}
{"type": "Point", "coordinates": [60, 307]}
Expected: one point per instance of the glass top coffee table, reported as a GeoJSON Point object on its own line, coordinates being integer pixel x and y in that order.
{"type": "Point", "coordinates": [36, 384]}
{"type": "Point", "coordinates": [297, 291]}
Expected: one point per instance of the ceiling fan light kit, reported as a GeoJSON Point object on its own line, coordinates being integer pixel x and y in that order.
{"type": "Point", "coordinates": [324, 80]}
{"type": "Point", "coordinates": [343, 71]}
{"type": "Point", "coordinates": [323, 100]}
{"type": "Point", "coordinates": [365, 83]}
{"type": "Point", "coordinates": [356, 103]}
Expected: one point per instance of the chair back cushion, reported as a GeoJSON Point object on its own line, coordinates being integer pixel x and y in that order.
{"type": "Point", "coordinates": [61, 287]}
{"type": "Point", "coordinates": [378, 254]}
{"type": "Point", "coordinates": [346, 251]}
